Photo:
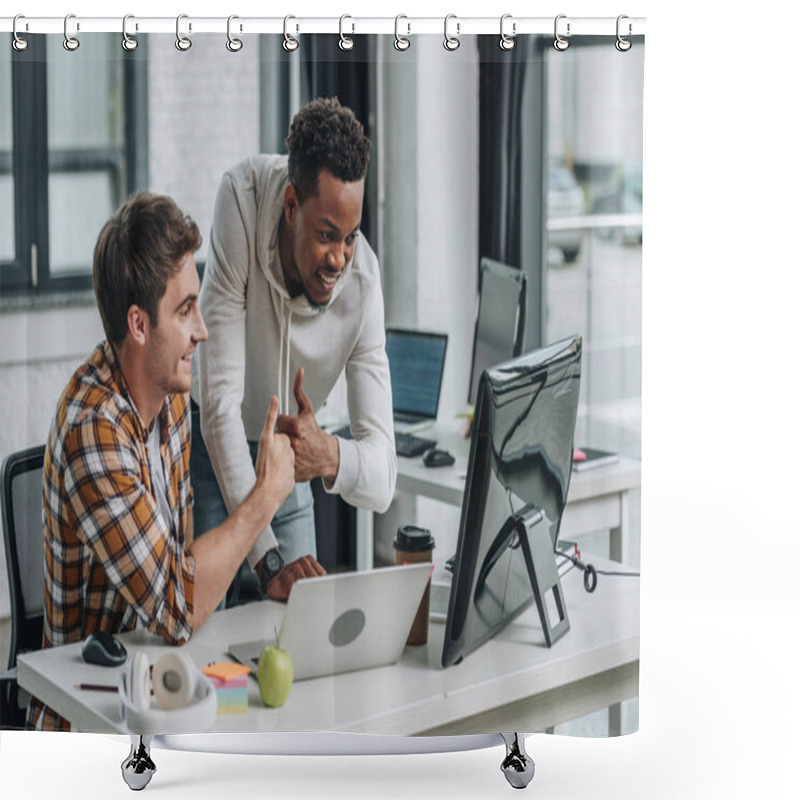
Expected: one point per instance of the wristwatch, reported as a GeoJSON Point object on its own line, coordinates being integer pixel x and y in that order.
{"type": "Point", "coordinates": [272, 565]}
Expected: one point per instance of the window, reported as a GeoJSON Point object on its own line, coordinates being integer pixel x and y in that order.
{"type": "Point", "coordinates": [593, 254]}
{"type": "Point", "coordinates": [7, 215]}
{"type": "Point", "coordinates": [67, 142]}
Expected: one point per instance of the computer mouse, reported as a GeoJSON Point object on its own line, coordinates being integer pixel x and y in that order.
{"type": "Point", "coordinates": [437, 458]}
{"type": "Point", "coordinates": [102, 648]}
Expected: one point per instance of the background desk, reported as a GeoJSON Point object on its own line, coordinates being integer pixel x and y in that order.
{"type": "Point", "coordinates": [598, 498]}
{"type": "Point", "coordinates": [513, 682]}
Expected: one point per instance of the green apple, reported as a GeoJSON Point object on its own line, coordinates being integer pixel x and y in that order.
{"type": "Point", "coordinates": [275, 675]}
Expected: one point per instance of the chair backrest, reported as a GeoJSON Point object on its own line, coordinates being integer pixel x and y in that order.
{"type": "Point", "coordinates": [21, 475]}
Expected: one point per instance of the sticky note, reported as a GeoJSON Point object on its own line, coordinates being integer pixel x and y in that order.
{"type": "Point", "coordinates": [225, 670]}
{"type": "Point", "coordinates": [230, 682]}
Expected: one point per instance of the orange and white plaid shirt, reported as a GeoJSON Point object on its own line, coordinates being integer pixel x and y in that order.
{"type": "Point", "coordinates": [111, 559]}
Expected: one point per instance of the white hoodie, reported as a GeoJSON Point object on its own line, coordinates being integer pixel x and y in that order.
{"type": "Point", "coordinates": [258, 337]}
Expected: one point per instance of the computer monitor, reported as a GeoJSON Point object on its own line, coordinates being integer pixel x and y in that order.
{"type": "Point", "coordinates": [518, 475]}
{"type": "Point", "coordinates": [500, 319]}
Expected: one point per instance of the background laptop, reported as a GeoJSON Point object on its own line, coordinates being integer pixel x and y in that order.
{"type": "Point", "coordinates": [416, 365]}
{"type": "Point", "coordinates": [346, 621]}
{"type": "Point", "coordinates": [416, 368]}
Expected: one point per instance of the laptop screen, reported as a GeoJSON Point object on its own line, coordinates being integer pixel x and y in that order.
{"type": "Point", "coordinates": [416, 364]}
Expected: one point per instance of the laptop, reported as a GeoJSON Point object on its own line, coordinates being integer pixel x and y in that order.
{"type": "Point", "coordinates": [416, 366]}
{"type": "Point", "coordinates": [345, 622]}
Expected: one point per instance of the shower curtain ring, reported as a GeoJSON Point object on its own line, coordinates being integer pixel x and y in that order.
{"type": "Point", "coordinates": [290, 44]}
{"type": "Point", "coordinates": [70, 42]}
{"type": "Point", "coordinates": [507, 42]}
{"type": "Point", "coordinates": [451, 42]}
{"type": "Point", "coordinates": [622, 44]}
{"type": "Point", "coordinates": [128, 42]}
{"type": "Point", "coordinates": [183, 43]}
{"type": "Point", "coordinates": [345, 42]}
{"type": "Point", "coordinates": [233, 44]}
{"type": "Point", "coordinates": [18, 43]}
{"type": "Point", "coordinates": [400, 42]}
{"type": "Point", "coordinates": [561, 44]}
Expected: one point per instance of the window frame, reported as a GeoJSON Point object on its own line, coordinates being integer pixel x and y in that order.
{"type": "Point", "coordinates": [28, 272]}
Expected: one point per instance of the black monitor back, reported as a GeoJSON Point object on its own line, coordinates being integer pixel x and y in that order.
{"type": "Point", "coordinates": [520, 462]}
{"type": "Point", "coordinates": [500, 318]}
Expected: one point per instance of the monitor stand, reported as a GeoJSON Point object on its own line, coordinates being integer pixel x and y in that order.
{"type": "Point", "coordinates": [540, 559]}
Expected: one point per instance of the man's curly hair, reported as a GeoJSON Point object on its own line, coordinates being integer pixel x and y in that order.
{"type": "Point", "coordinates": [325, 135]}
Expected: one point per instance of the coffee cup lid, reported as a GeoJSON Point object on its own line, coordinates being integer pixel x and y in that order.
{"type": "Point", "coordinates": [412, 539]}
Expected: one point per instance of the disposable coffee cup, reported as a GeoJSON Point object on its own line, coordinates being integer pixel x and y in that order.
{"type": "Point", "coordinates": [413, 545]}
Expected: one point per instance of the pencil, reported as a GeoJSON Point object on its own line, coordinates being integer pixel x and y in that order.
{"type": "Point", "coordinates": [97, 687]}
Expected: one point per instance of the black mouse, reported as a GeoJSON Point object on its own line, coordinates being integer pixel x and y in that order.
{"type": "Point", "coordinates": [102, 648]}
{"type": "Point", "coordinates": [437, 458]}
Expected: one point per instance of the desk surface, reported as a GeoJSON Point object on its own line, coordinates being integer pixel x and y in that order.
{"type": "Point", "coordinates": [413, 696]}
{"type": "Point", "coordinates": [447, 483]}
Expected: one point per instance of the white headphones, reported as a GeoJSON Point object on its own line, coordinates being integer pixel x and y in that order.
{"type": "Point", "coordinates": [186, 699]}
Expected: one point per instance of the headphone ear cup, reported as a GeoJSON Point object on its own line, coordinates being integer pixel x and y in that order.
{"type": "Point", "coordinates": [139, 682]}
{"type": "Point", "coordinates": [174, 680]}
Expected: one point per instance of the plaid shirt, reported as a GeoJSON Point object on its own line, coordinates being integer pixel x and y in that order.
{"type": "Point", "coordinates": [111, 559]}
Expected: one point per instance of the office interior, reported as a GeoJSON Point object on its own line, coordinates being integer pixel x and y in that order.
{"type": "Point", "coordinates": [566, 137]}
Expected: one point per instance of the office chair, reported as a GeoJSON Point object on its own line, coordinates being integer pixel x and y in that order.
{"type": "Point", "coordinates": [21, 477]}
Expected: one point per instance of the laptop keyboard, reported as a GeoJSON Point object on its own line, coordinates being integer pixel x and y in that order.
{"type": "Point", "coordinates": [406, 444]}
{"type": "Point", "coordinates": [409, 445]}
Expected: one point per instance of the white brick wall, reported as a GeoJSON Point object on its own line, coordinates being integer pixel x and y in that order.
{"type": "Point", "coordinates": [202, 120]}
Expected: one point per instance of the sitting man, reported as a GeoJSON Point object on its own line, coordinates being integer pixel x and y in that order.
{"type": "Point", "coordinates": [118, 542]}
{"type": "Point", "coordinates": [292, 296]}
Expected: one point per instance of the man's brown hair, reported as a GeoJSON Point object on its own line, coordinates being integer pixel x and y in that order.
{"type": "Point", "coordinates": [137, 251]}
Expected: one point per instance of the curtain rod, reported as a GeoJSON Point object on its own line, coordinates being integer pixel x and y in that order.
{"type": "Point", "coordinates": [451, 26]}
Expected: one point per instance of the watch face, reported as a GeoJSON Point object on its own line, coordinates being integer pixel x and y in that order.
{"type": "Point", "coordinates": [274, 561]}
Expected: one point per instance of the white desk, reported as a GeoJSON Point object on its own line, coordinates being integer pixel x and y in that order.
{"type": "Point", "coordinates": [513, 682]}
{"type": "Point", "coordinates": [598, 498]}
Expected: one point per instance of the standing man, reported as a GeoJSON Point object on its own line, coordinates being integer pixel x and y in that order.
{"type": "Point", "coordinates": [292, 297]}
{"type": "Point", "coordinates": [117, 508]}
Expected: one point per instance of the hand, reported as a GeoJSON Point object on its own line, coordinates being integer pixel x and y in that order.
{"type": "Point", "coordinates": [274, 462]}
{"type": "Point", "coordinates": [305, 567]}
{"type": "Point", "coordinates": [315, 452]}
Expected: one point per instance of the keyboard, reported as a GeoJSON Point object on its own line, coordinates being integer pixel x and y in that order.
{"type": "Point", "coordinates": [405, 444]}
{"type": "Point", "coordinates": [409, 445]}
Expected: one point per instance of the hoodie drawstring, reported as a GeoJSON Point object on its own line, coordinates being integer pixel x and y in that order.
{"type": "Point", "coordinates": [283, 363]}
{"type": "Point", "coordinates": [288, 353]}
